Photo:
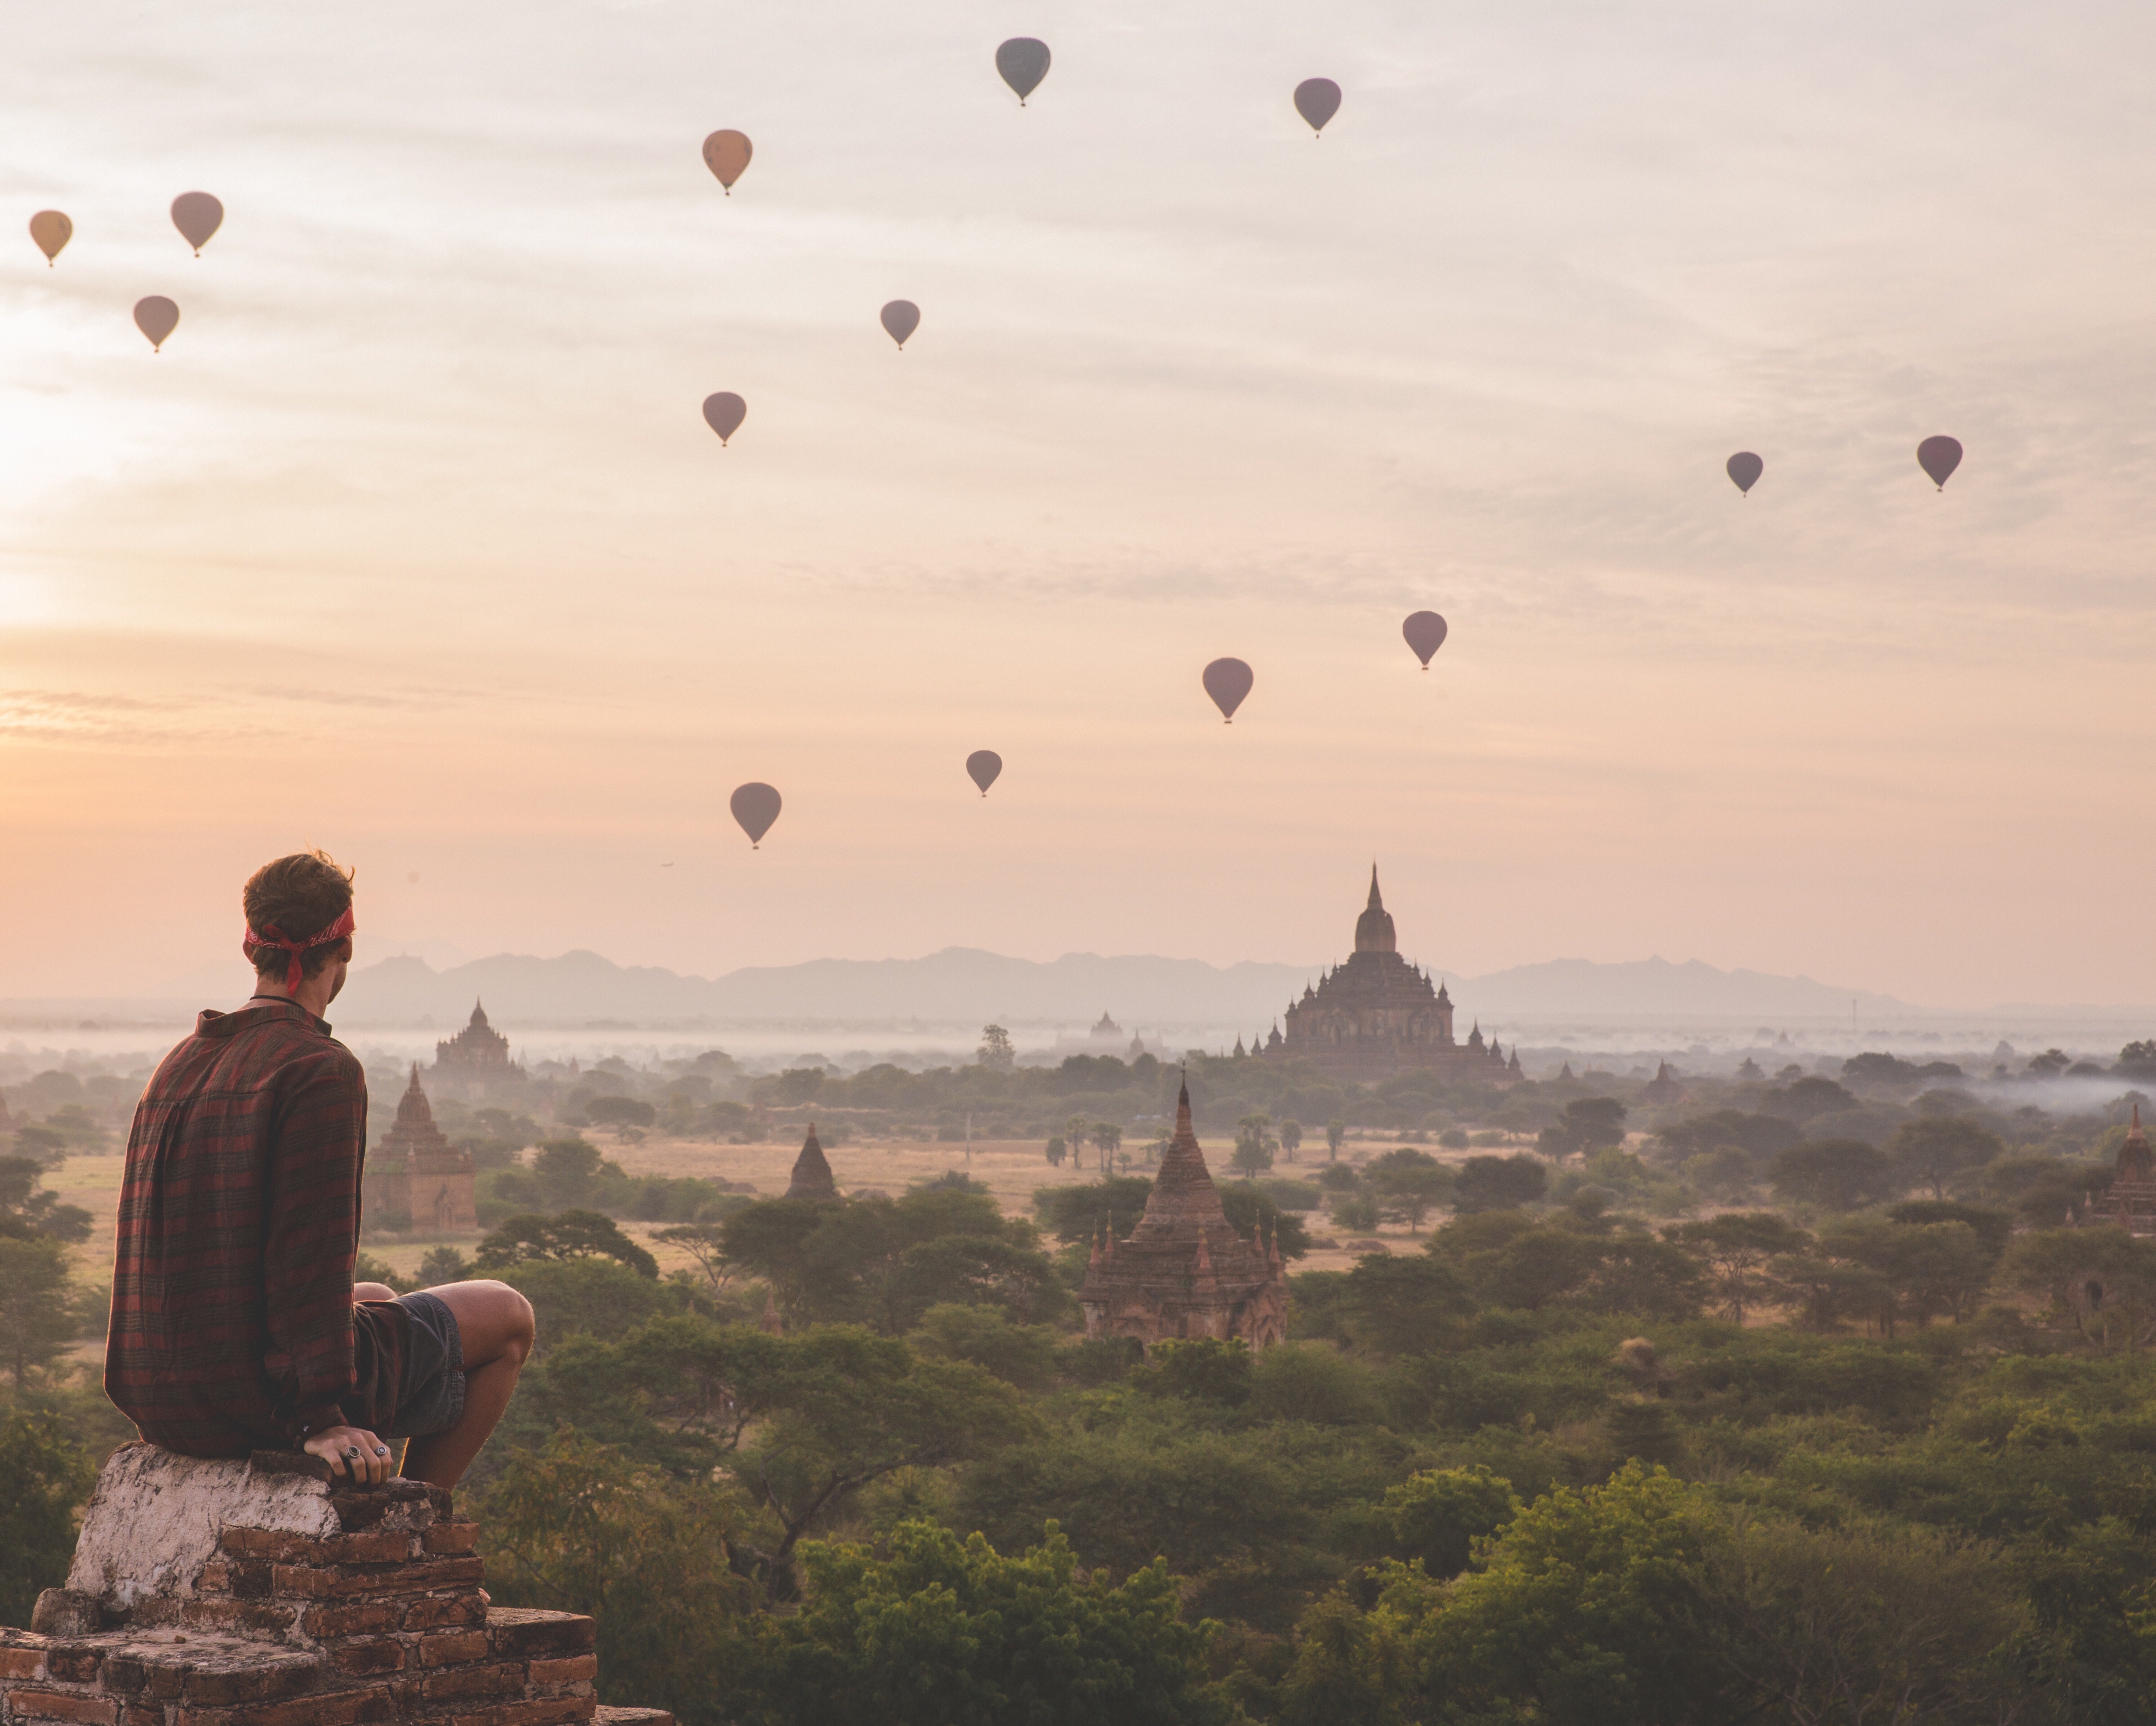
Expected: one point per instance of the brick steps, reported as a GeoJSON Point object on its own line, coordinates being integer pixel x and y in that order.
{"type": "Point", "coordinates": [384, 1620]}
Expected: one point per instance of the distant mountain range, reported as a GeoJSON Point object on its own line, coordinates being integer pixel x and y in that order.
{"type": "Point", "coordinates": [963, 986]}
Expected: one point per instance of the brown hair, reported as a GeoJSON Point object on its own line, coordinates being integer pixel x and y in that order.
{"type": "Point", "coordinates": [297, 897]}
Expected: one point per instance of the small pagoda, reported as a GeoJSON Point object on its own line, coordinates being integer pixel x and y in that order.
{"type": "Point", "coordinates": [418, 1171]}
{"type": "Point", "coordinates": [1184, 1271]}
{"type": "Point", "coordinates": [1663, 1089]}
{"type": "Point", "coordinates": [2131, 1202]}
{"type": "Point", "coordinates": [812, 1172]}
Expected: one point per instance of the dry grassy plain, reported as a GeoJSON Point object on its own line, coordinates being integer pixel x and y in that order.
{"type": "Point", "coordinates": [1011, 1170]}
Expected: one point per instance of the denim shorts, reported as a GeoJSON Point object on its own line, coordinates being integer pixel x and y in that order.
{"type": "Point", "coordinates": [431, 1397]}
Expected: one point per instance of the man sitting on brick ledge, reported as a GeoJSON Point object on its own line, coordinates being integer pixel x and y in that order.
{"type": "Point", "coordinates": [236, 1325]}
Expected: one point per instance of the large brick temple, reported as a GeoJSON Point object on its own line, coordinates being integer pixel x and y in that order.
{"type": "Point", "coordinates": [1184, 1271]}
{"type": "Point", "coordinates": [476, 1059]}
{"type": "Point", "coordinates": [1378, 1015]}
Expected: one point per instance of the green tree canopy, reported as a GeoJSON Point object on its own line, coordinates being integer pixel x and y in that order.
{"type": "Point", "coordinates": [619, 1112]}
{"type": "Point", "coordinates": [1408, 1184]}
{"type": "Point", "coordinates": [1254, 1145]}
{"type": "Point", "coordinates": [37, 1307]}
{"type": "Point", "coordinates": [1404, 1306]}
{"type": "Point", "coordinates": [1439, 1513]}
{"type": "Point", "coordinates": [802, 1422]}
{"type": "Point", "coordinates": [1834, 1174]}
{"type": "Point", "coordinates": [884, 1263]}
{"type": "Point", "coordinates": [931, 1630]}
{"type": "Point", "coordinates": [1591, 1610]}
{"type": "Point", "coordinates": [1736, 1249]}
{"type": "Point", "coordinates": [1253, 1213]}
{"type": "Point", "coordinates": [1931, 1153]}
{"type": "Point", "coordinates": [571, 1234]}
{"type": "Point", "coordinates": [1075, 1215]}
{"type": "Point", "coordinates": [568, 1172]}
{"type": "Point", "coordinates": [579, 1526]}
{"type": "Point", "coordinates": [26, 1209]}
{"type": "Point", "coordinates": [1499, 1182]}
{"type": "Point", "coordinates": [43, 1475]}
{"type": "Point", "coordinates": [1759, 1136]}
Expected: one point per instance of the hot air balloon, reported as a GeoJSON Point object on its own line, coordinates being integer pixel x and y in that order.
{"type": "Point", "coordinates": [1426, 634]}
{"type": "Point", "coordinates": [755, 806]}
{"type": "Point", "coordinates": [1318, 100]}
{"type": "Point", "coordinates": [724, 413]}
{"type": "Point", "coordinates": [52, 231]}
{"type": "Point", "coordinates": [726, 154]}
{"type": "Point", "coordinates": [1227, 681]}
{"type": "Point", "coordinates": [156, 317]}
{"type": "Point", "coordinates": [197, 216]}
{"type": "Point", "coordinates": [1744, 468]}
{"type": "Point", "coordinates": [981, 767]}
{"type": "Point", "coordinates": [1023, 62]}
{"type": "Point", "coordinates": [901, 319]}
{"type": "Point", "coordinates": [1939, 457]}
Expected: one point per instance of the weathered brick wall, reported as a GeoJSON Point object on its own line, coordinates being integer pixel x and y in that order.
{"type": "Point", "coordinates": [380, 1617]}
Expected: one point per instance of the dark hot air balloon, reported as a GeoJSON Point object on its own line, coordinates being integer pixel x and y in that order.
{"type": "Point", "coordinates": [51, 230]}
{"type": "Point", "coordinates": [724, 413]}
{"type": "Point", "coordinates": [755, 806]}
{"type": "Point", "coordinates": [1939, 457]}
{"type": "Point", "coordinates": [156, 317]}
{"type": "Point", "coordinates": [197, 216]}
{"type": "Point", "coordinates": [901, 319]}
{"type": "Point", "coordinates": [981, 767]}
{"type": "Point", "coordinates": [1023, 62]}
{"type": "Point", "coordinates": [726, 154]}
{"type": "Point", "coordinates": [1426, 634]}
{"type": "Point", "coordinates": [1744, 468]}
{"type": "Point", "coordinates": [1227, 681]}
{"type": "Point", "coordinates": [1318, 100]}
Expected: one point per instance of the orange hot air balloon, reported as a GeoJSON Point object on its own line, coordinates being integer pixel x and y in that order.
{"type": "Point", "coordinates": [52, 231]}
{"type": "Point", "coordinates": [726, 154]}
{"type": "Point", "coordinates": [1227, 681]}
{"type": "Point", "coordinates": [1939, 457]}
{"type": "Point", "coordinates": [156, 317]}
{"type": "Point", "coordinates": [755, 806]}
{"type": "Point", "coordinates": [981, 767]}
{"type": "Point", "coordinates": [1023, 61]}
{"type": "Point", "coordinates": [197, 216]}
{"type": "Point", "coordinates": [1744, 468]}
{"type": "Point", "coordinates": [724, 413]}
{"type": "Point", "coordinates": [1424, 631]}
{"type": "Point", "coordinates": [901, 319]}
{"type": "Point", "coordinates": [1318, 100]}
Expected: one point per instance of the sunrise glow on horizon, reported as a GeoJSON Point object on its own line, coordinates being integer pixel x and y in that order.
{"type": "Point", "coordinates": [411, 542]}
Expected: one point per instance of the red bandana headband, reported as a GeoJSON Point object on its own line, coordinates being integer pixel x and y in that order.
{"type": "Point", "coordinates": [277, 938]}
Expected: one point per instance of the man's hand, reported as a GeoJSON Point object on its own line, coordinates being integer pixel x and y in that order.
{"type": "Point", "coordinates": [353, 1451]}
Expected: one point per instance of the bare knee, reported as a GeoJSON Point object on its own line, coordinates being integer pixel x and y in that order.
{"type": "Point", "coordinates": [373, 1292]}
{"type": "Point", "coordinates": [496, 1320]}
{"type": "Point", "coordinates": [521, 1324]}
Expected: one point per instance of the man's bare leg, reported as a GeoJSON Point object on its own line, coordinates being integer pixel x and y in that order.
{"type": "Point", "coordinates": [495, 1329]}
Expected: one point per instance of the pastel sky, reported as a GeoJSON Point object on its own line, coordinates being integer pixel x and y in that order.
{"type": "Point", "coordinates": [412, 544]}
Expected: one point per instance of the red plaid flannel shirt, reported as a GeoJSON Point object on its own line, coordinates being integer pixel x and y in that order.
{"type": "Point", "coordinates": [232, 1309]}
